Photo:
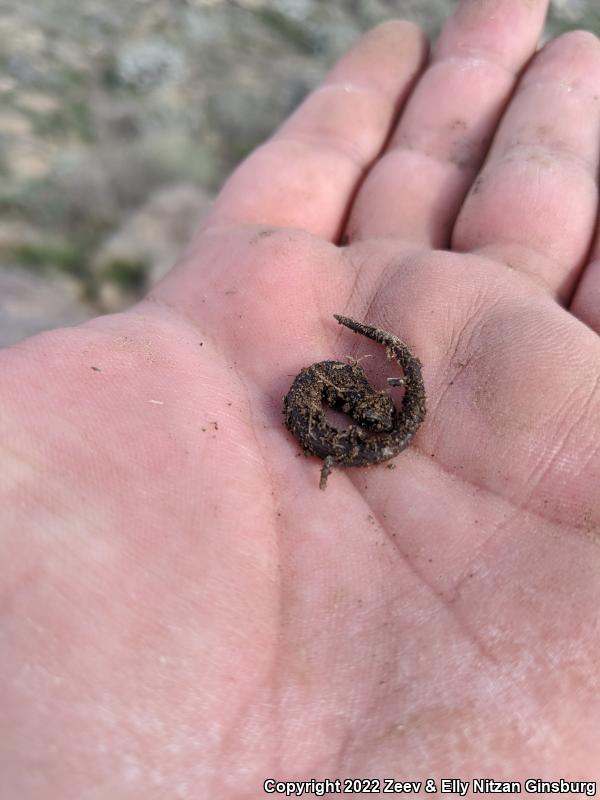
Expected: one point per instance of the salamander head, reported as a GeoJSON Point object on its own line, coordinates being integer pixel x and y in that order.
{"type": "Point", "coordinates": [376, 412]}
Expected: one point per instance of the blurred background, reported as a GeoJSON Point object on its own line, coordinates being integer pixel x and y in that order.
{"type": "Point", "coordinates": [119, 119]}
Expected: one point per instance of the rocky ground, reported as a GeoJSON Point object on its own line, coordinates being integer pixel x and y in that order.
{"type": "Point", "coordinates": [119, 121]}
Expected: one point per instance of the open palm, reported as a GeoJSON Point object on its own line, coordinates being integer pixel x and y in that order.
{"type": "Point", "coordinates": [184, 612]}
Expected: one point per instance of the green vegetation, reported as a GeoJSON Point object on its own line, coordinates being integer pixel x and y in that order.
{"type": "Point", "coordinates": [129, 275]}
{"type": "Point", "coordinates": [589, 21]}
{"type": "Point", "coordinates": [60, 255]}
{"type": "Point", "coordinates": [71, 118]}
{"type": "Point", "coordinates": [294, 32]}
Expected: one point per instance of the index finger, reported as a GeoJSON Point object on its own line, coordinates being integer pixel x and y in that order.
{"type": "Point", "coordinates": [306, 175]}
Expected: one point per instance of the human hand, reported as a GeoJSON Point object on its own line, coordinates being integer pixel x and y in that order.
{"type": "Point", "coordinates": [185, 612]}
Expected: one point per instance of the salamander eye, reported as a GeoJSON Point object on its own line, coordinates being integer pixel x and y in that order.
{"type": "Point", "coordinates": [370, 416]}
{"type": "Point", "coordinates": [378, 416]}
